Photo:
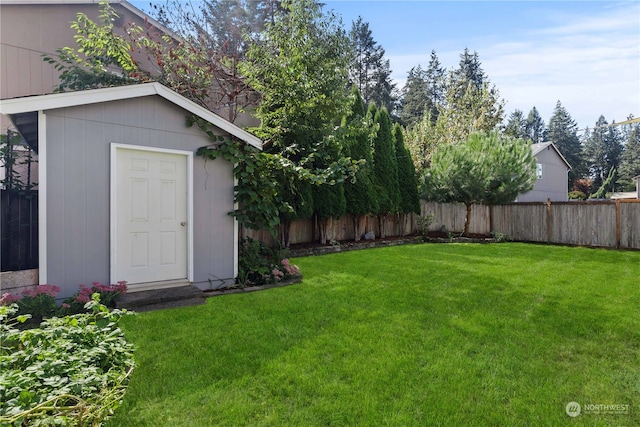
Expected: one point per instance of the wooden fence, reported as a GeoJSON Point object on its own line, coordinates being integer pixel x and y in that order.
{"type": "Point", "coordinates": [602, 223]}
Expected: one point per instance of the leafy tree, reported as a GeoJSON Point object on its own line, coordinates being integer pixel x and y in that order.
{"type": "Point", "coordinates": [102, 59]}
{"type": "Point", "coordinates": [407, 179]}
{"type": "Point", "coordinates": [468, 109]}
{"type": "Point", "coordinates": [360, 195]}
{"type": "Point", "coordinates": [535, 126]}
{"type": "Point", "coordinates": [602, 151]}
{"type": "Point", "coordinates": [630, 159]}
{"type": "Point", "coordinates": [487, 169]}
{"type": "Point", "coordinates": [562, 131]}
{"type": "Point", "coordinates": [223, 29]}
{"type": "Point", "coordinates": [385, 169]}
{"type": "Point", "coordinates": [369, 71]}
{"type": "Point", "coordinates": [299, 68]}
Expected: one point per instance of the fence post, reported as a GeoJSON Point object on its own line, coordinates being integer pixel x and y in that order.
{"type": "Point", "coordinates": [549, 221]}
{"type": "Point", "coordinates": [618, 224]}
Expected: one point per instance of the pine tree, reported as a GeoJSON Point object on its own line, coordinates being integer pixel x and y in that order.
{"type": "Point", "coordinates": [470, 70]}
{"type": "Point", "coordinates": [602, 151]}
{"type": "Point", "coordinates": [630, 159]}
{"type": "Point", "coordinates": [435, 78]}
{"type": "Point", "coordinates": [535, 126]}
{"type": "Point", "coordinates": [369, 70]}
{"type": "Point", "coordinates": [414, 97]}
{"type": "Point", "coordinates": [486, 168]}
{"type": "Point", "coordinates": [516, 126]}
{"type": "Point", "coordinates": [385, 169]}
{"type": "Point", "coordinates": [562, 131]}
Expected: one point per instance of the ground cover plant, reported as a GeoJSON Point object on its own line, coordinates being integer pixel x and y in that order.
{"type": "Point", "coordinates": [429, 334]}
{"type": "Point", "coordinates": [70, 371]}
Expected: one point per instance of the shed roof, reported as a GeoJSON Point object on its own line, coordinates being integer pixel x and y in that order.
{"type": "Point", "coordinates": [537, 148]}
{"type": "Point", "coordinates": [23, 111]}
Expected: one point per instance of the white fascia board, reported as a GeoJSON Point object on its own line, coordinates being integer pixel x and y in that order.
{"type": "Point", "coordinates": [93, 96]}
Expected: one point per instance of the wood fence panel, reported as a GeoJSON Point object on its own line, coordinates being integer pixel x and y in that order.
{"type": "Point", "coordinates": [521, 221]}
{"type": "Point", "coordinates": [449, 216]}
{"type": "Point", "coordinates": [592, 223]}
{"type": "Point", "coordinates": [630, 225]}
{"type": "Point", "coordinates": [586, 224]}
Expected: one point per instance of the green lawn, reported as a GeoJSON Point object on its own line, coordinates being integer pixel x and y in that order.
{"type": "Point", "coordinates": [432, 334]}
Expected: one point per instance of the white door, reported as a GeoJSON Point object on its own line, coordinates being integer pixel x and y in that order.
{"type": "Point", "coordinates": [151, 212]}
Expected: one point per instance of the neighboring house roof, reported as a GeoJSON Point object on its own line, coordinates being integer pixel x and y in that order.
{"type": "Point", "coordinates": [23, 111]}
{"type": "Point", "coordinates": [624, 195]}
{"type": "Point", "coordinates": [537, 148]}
{"type": "Point", "coordinates": [131, 8]}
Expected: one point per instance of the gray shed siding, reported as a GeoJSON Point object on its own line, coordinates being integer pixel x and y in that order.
{"type": "Point", "coordinates": [78, 194]}
{"type": "Point", "coordinates": [553, 184]}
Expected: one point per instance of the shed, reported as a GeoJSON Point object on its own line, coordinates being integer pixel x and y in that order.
{"type": "Point", "coordinates": [551, 175]}
{"type": "Point", "coordinates": [122, 196]}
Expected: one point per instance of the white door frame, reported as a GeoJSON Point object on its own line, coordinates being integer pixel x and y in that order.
{"type": "Point", "coordinates": [113, 251]}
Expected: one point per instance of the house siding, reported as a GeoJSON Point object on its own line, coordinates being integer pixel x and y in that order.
{"type": "Point", "coordinates": [553, 184]}
{"type": "Point", "coordinates": [78, 194]}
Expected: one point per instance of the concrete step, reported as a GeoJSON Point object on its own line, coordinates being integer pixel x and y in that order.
{"type": "Point", "coordinates": [158, 299]}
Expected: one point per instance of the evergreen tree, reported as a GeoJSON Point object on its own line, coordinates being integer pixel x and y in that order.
{"type": "Point", "coordinates": [328, 199]}
{"type": "Point", "coordinates": [516, 126]}
{"type": "Point", "coordinates": [630, 159]}
{"type": "Point", "coordinates": [562, 131]}
{"type": "Point", "coordinates": [535, 126]}
{"type": "Point", "coordinates": [369, 70]}
{"type": "Point", "coordinates": [359, 192]}
{"type": "Point", "coordinates": [435, 78]}
{"type": "Point", "coordinates": [469, 70]}
{"type": "Point", "coordinates": [486, 169]}
{"type": "Point", "coordinates": [415, 99]}
{"type": "Point", "coordinates": [385, 169]}
{"type": "Point", "coordinates": [466, 109]}
{"type": "Point", "coordinates": [407, 178]}
{"type": "Point", "coordinates": [602, 151]}
{"type": "Point", "coordinates": [424, 92]}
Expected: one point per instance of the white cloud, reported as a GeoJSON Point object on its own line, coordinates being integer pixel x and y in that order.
{"type": "Point", "coordinates": [590, 63]}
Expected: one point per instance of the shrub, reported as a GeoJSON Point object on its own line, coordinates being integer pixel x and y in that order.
{"type": "Point", "coordinates": [260, 264]}
{"type": "Point", "coordinates": [108, 293]}
{"type": "Point", "coordinates": [40, 302]}
{"type": "Point", "coordinates": [576, 195]}
{"type": "Point", "coordinates": [73, 370]}
{"type": "Point", "coordinates": [424, 222]}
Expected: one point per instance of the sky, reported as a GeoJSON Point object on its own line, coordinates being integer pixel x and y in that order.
{"type": "Point", "coordinates": [585, 54]}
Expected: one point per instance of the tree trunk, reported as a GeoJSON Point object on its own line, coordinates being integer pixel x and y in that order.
{"type": "Point", "coordinates": [322, 229]}
{"type": "Point", "coordinates": [467, 220]}
{"type": "Point", "coordinates": [381, 223]}
{"type": "Point", "coordinates": [357, 228]}
{"type": "Point", "coordinates": [284, 232]}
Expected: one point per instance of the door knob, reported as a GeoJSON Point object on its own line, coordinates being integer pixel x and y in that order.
{"type": "Point", "coordinates": [183, 223]}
